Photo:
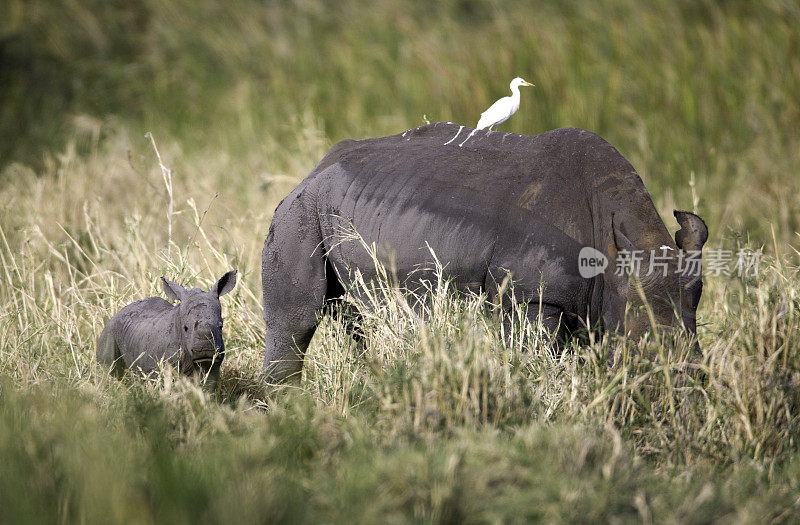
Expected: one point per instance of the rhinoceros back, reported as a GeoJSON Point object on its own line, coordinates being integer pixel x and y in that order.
{"type": "Point", "coordinates": [462, 194]}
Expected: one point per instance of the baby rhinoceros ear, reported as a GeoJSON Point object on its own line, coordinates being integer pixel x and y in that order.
{"type": "Point", "coordinates": [172, 290]}
{"type": "Point", "coordinates": [225, 283]}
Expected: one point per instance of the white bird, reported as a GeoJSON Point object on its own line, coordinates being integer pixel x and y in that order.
{"type": "Point", "coordinates": [501, 110]}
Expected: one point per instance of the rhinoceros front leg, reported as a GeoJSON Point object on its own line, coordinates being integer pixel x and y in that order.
{"type": "Point", "coordinates": [550, 317]}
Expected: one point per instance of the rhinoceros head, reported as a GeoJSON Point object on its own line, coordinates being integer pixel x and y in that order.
{"type": "Point", "coordinates": [667, 286]}
{"type": "Point", "coordinates": [199, 325]}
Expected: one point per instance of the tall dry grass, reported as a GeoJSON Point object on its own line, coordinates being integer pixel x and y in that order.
{"type": "Point", "coordinates": [437, 408]}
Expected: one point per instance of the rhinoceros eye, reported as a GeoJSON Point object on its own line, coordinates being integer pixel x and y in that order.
{"type": "Point", "coordinates": [185, 328]}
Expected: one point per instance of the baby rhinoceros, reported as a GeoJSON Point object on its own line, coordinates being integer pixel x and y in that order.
{"type": "Point", "coordinates": [187, 334]}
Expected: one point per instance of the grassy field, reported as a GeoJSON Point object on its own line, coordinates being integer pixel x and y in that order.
{"type": "Point", "coordinates": [441, 420]}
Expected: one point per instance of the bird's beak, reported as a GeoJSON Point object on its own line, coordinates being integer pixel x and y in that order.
{"type": "Point", "coordinates": [528, 83]}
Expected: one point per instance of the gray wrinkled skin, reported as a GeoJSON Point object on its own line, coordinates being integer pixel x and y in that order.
{"type": "Point", "coordinates": [187, 334]}
{"type": "Point", "coordinates": [501, 203]}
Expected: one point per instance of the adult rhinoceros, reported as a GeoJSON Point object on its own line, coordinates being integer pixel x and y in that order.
{"type": "Point", "coordinates": [493, 204]}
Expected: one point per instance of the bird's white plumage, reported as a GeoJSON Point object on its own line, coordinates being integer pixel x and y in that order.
{"type": "Point", "coordinates": [501, 110]}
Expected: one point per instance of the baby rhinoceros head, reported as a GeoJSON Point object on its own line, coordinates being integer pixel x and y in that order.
{"type": "Point", "coordinates": [198, 322]}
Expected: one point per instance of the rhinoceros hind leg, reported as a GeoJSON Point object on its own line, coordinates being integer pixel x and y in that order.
{"type": "Point", "coordinates": [342, 311]}
{"type": "Point", "coordinates": [108, 353]}
{"type": "Point", "coordinates": [294, 286]}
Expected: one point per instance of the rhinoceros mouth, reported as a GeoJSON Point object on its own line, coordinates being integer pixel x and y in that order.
{"type": "Point", "coordinates": [206, 370]}
{"type": "Point", "coordinates": [204, 366]}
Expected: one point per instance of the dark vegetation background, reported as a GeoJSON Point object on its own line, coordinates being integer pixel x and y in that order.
{"type": "Point", "coordinates": [434, 421]}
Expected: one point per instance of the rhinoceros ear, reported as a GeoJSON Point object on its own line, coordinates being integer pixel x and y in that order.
{"type": "Point", "coordinates": [225, 283]}
{"type": "Point", "coordinates": [172, 290]}
{"type": "Point", "coordinates": [621, 242]}
{"type": "Point", "coordinates": [693, 233]}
